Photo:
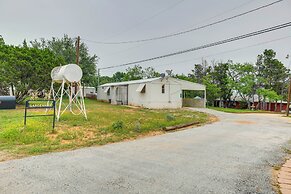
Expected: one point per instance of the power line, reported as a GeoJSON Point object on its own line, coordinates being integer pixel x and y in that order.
{"type": "Point", "coordinates": [266, 30]}
{"type": "Point", "coordinates": [228, 51]}
{"type": "Point", "coordinates": [205, 20]}
{"type": "Point", "coordinates": [224, 52]}
{"type": "Point", "coordinates": [190, 30]}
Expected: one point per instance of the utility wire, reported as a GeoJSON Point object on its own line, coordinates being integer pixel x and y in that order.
{"type": "Point", "coordinates": [266, 30]}
{"type": "Point", "coordinates": [225, 52]}
{"type": "Point", "coordinates": [228, 51]}
{"type": "Point", "coordinates": [205, 20]}
{"type": "Point", "coordinates": [190, 30]}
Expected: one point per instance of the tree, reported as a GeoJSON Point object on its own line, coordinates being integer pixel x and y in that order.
{"type": "Point", "coordinates": [221, 78]}
{"type": "Point", "coordinates": [105, 79]}
{"type": "Point", "coordinates": [65, 47]}
{"type": "Point", "coordinates": [118, 76]}
{"type": "Point", "coordinates": [183, 77]}
{"type": "Point", "coordinates": [2, 42]}
{"type": "Point", "coordinates": [150, 72]}
{"type": "Point", "coordinates": [212, 90]}
{"type": "Point", "coordinates": [243, 80]}
{"type": "Point", "coordinates": [273, 72]}
{"type": "Point", "coordinates": [26, 68]}
{"type": "Point", "coordinates": [271, 95]}
{"type": "Point", "coordinates": [134, 73]}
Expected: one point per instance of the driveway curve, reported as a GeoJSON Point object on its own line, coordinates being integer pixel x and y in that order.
{"type": "Point", "coordinates": [232, 155]}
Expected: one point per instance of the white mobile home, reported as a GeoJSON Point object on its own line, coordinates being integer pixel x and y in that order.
{"type": "Point", "coordinates": [160, 92]}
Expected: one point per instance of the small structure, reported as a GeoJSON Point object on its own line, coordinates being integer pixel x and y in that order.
{"type": "Point", "coordinates": [160, 92]}
{"type": "Point", "coordinates": [236, 101]}
{"type": "Point", "coordinates": [89, 92]}
{"type": "Point", "coordinates": [69, 79]}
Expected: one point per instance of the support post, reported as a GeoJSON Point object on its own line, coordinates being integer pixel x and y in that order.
{"type": "Point", "coordinates": [98, 73]}
{"type": "Point", "coordinates": [71, 96]}
{"type": "Point", "coordinates": [205, 100]}
{"type": "Point", "coordinates": [61, 100]}
{"type": "Point", "coordinates": [288, 101]}
{"type": "Point", "coordinates": [77, 50]}
{"type": "Point", "coordinates": [77, 57]}
{"type": "Point", "coordinates": [83, 108]}
{"type": "Point", "coordinates": [25, 112]}
{"type": "Point", "coordinates": [54, 116]}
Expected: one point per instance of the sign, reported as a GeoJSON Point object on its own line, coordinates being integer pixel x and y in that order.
{"type": "Point", "coordinates": [40, 104]}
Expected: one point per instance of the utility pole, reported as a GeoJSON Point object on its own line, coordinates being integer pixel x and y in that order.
{"type": "Point", "coordinates": [77, 58]}
{"type": "Point", "coordinates": [98, 74]}
{"type": "Point", "coordinates": [77, 50]}
{"type": "Point", "coordinates": [289, 96]}
{"type": "Point", "coordinates": [289, 92]}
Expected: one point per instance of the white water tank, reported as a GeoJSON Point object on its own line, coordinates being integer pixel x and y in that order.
{"type": "Point", "coordinates": [70, 73]}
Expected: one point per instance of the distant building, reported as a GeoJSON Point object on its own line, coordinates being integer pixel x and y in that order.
{"type": "Point", "coordinates": [160, 92]}
{"type": "Point", "coordinates": [236, 101]}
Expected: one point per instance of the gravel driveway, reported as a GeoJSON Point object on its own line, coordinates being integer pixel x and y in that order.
{"type": "Point", "coordinates": [229, 156]}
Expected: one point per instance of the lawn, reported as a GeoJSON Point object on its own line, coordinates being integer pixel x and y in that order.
{"type": "Point", "coordinates": [236, 110]}
{"type": "Point", "coordinates": [106, 124]}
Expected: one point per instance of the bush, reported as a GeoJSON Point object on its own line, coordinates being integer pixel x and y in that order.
{"type": "Point", "coordinates": [117, 125]}
{"type": "Point", "coordinates": [137, 126]}
{"type": "Point", "coordinates": [170, 117]}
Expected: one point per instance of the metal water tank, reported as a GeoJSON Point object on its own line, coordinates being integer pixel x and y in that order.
{"type": "Point", "coordinates": [7, 102]}
{"type": "Point", "coordinates": [70, 73]}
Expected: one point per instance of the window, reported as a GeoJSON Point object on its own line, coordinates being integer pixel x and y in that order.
{"type": "Point", "coordinates": [163, 88]}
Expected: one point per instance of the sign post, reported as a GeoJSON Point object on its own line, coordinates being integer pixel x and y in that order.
{"type": "Point", "coordinates": [40, 104]}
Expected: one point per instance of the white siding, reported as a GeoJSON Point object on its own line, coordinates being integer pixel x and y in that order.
{"type": "Point", "coordinates": [153, 96]}
{"type": "Point", "coordinates": [136, 98]}
{"type": "Point", "coordinates": [101, 95]}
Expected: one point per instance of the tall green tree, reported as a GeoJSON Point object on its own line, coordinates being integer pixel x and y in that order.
{"type": "Point", "coordinates": [26, 68]}
{"type": "Point", "coordinates": [243, 81]}
{"type": "Point", "coordinates": [212, 90]}
{"type": "Point", "coordinates": [134, 73]}
{"type": "Point", "coordinates": [150, 72]}
{"type": "Point", "coordinates": [272, 71]}
{"type": "Point", "coordinates": [118, 76]}
{"type": "Point", "coordinates": [65, 47]}
{"type": "Point", "coordinates": [221, 78]}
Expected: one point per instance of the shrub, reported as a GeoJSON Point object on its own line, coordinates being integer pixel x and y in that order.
{"type": "Point", "coordinates": [170, 117]}
{"type": "Point", "coordinates": [117, 125]}
{"type": "Point", "coordinates": [137, 126]}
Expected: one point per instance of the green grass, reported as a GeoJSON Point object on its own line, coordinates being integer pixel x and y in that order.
{"type": "Point", "coordinates": [106, 124]}
{"type": "Point", "coordinates": [235, 110]}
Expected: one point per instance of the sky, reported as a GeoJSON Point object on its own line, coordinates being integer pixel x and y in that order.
{"type": "Point", "coordinates": [116, 20]}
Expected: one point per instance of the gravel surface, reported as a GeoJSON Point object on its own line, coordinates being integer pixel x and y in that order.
{"type": "Point", "coordinates": [230, 156]}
